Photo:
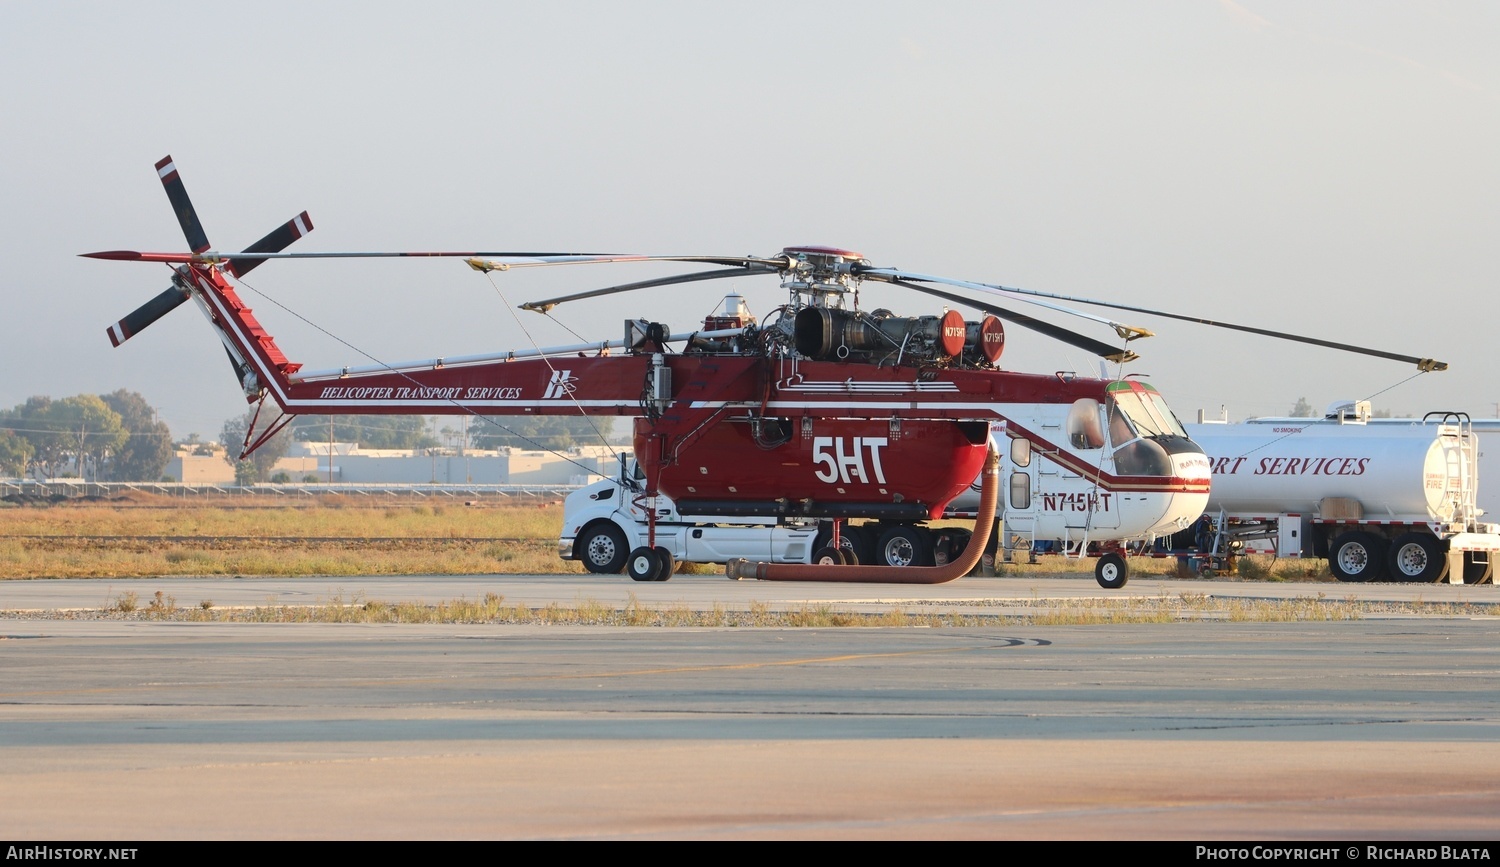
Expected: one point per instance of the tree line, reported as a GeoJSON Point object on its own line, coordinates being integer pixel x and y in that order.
{"type": "Point", "coordinates": [101, 437]}
{"type": "Point", "coordinates": [407, 432]}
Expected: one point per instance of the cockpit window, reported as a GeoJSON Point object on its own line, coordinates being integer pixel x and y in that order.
{"type": "Point", "coordinates": [1084, 429]}
{"type": "Point", "coordinates": [1120, 431]}
{"type": "Point", "coordinates": [1147, 412]}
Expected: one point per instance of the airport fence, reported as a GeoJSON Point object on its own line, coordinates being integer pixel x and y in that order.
{"type": "Point", "coordinates": [13, 490]}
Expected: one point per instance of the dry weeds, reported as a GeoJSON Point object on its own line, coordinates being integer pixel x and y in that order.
{"type": "Point", "coordinates": [492, 610]}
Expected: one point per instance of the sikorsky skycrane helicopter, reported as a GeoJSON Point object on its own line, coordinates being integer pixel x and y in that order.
{"type": "Point", "coordinates": [822, 412]}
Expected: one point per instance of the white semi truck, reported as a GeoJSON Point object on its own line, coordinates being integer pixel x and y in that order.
{"type": "Point", "coordinates": [605, 521]}
{"type": "Point", "coordinates": [1395, 500]}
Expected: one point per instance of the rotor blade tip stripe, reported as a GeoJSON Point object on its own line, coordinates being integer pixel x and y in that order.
{"type": "Point", "coordinates": [301, 224]}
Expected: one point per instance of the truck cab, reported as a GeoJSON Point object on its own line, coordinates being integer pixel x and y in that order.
{"type": "Point", "coordinates": [605, 521]}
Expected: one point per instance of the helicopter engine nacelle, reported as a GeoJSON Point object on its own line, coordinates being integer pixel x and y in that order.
{"type": "Point", "coordinates": [831, 334]}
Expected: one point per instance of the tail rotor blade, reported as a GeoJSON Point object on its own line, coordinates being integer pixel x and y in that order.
{"type": "Point", "coordinates": [186, 216]}
{"type": "Point", "coordinates": [146, 314]}
{"type": "Point", "coordinates": [279, 239]}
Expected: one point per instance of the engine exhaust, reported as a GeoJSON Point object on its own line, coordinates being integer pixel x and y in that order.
{"type": "Point", "coordinates": [983, 525]}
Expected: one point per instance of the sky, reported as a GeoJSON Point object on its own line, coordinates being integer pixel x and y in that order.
{"type": "Point", "coordinates": [1324, 168]}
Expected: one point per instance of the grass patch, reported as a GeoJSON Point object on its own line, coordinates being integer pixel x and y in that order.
{"type": "Point", "coordinates": [493, 610]}
{"type": "Point", "coordinates": [1264, 567]}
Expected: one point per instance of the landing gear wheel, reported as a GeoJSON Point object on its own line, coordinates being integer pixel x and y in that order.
{"type": "Point", "coordinates": [1476, 572]}
{"type": "Point", "coordinates": [828, 556]}
{"type": "Point", "coordinates": [602, 549]}
{"type": "Point", "coordinates": [644, 565]}
{"type": "Point", "coordinates": [1111, 571]}
{"type": "Point", "coordinates": [904, 546]}
{"type": "Point", "coordinates": [851, 543]}
{"type": "Point", "coordinates": [1357, 556]}
{"type": "Point", "coordinates": [1418, 557]}
{"type": "Point", "coordinates": [667, 561]}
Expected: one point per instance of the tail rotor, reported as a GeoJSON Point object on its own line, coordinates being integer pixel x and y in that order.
{"type": "Point", "coordinates": [192, 229]}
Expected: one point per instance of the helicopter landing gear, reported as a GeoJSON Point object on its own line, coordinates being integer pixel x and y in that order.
{"type": "Point", "coordinates": [651, 564]}
{"type": "Point", "coordinates": [1111, 571]}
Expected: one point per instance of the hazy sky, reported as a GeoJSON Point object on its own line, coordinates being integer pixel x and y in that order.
{"type": "Point", "coordinates": [1330, 168]}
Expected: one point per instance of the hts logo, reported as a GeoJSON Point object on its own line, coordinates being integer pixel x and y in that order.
{"type": "Point", "coordinates": [562, 384]}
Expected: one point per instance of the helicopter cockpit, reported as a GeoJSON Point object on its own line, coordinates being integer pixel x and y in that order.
{"type": "Point", "coordinates": [1143, 433]}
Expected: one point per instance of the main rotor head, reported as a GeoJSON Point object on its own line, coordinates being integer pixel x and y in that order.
{"type": "Point", "coordinates": [820, 276]}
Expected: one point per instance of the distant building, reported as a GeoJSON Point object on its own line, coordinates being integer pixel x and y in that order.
{"type": "Point", "coordinates": [200, 464]}
{"type": "Point", "coordinates": [353, 464]}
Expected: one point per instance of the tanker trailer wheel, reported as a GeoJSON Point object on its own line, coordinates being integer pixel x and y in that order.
{"type": "Point", "coordinates": [1418, 557]}
{"type": "Point", "coordinates": [1357, 556]}
{"type": "Point", "coordinates": [644, 564]}
{"type": "Point", "coordinates": [603, 549]}
{"type": "Point", "coordinates": [1111, 571]}
{"type": "Point", "coordinates": [1476, 572]}
{"type": "Point", "coordinates": [904, 546]}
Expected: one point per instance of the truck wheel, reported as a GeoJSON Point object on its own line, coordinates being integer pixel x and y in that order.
{"type": "Point", "coordinates": [1357, 556]}
{"type": "Point", "coordinates": [904, 546]}
{"type": "Point", "coordinates": [1111, 571]}
{"type": "Point", "coordinates": [1418, 557]}
{"type": "Point", "coordinates": [949, 545]}
{"type": "Point", "coordinates": [1476, 572]}
{"type": "Point", "coordinates": [603, 550]}
{"type": "Point", "coordinates": [644, 564]}
{"type": "Point", "coordinates": [858, 546]}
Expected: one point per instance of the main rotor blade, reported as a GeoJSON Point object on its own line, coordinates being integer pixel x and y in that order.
{"type": "Point", "coordinates": [187, 218]}
{"type": "Point", "coordinates": [1117, 354]}
{"type": "Point", "coordinates": [1425, 364]}
{"type": "Point", "coordinates": [137, 320]}
{"type": "Point", "coordinates": [1127, 332]}
{"type": "Point", "coordinates": [276, 241]}
{"type": "Point", "coordinates": [502, 260]}
{"type": "Point", "coordinates": [544, 306]}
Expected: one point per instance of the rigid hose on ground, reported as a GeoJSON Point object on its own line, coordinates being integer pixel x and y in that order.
{"type": "Point", "coordinates": [988, 498]}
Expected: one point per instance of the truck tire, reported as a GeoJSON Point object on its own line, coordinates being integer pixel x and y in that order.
{"type": "Point", "coordinates": [1111, 571]}
{"type": "Point", "coordinates": [1476, 572]}
{"type": "Point", "coordinates": [1357, 556]}
{"type": "Point", "coordinates": [904, 546]}
{"type": "Point", "coordinates": [1418, 557]}
{"type": "Point", "coordinates": [948, 545]}
{"type": "Point", "coordinates": [602, 549]}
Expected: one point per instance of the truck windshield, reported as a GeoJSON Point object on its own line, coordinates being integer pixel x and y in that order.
{"type": "Point", "coordinates": [1145, 409]}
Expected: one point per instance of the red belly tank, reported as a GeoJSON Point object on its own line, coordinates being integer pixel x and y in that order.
{"type": "Point", "coordinates": [821, 467]}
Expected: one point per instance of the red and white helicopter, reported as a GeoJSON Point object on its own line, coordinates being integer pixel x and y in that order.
{"type": "Point", "coordinates": [823, 411]}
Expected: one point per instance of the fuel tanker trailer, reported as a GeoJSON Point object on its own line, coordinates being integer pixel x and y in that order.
{"type": "Point", "coordinates": [1378, 503]}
